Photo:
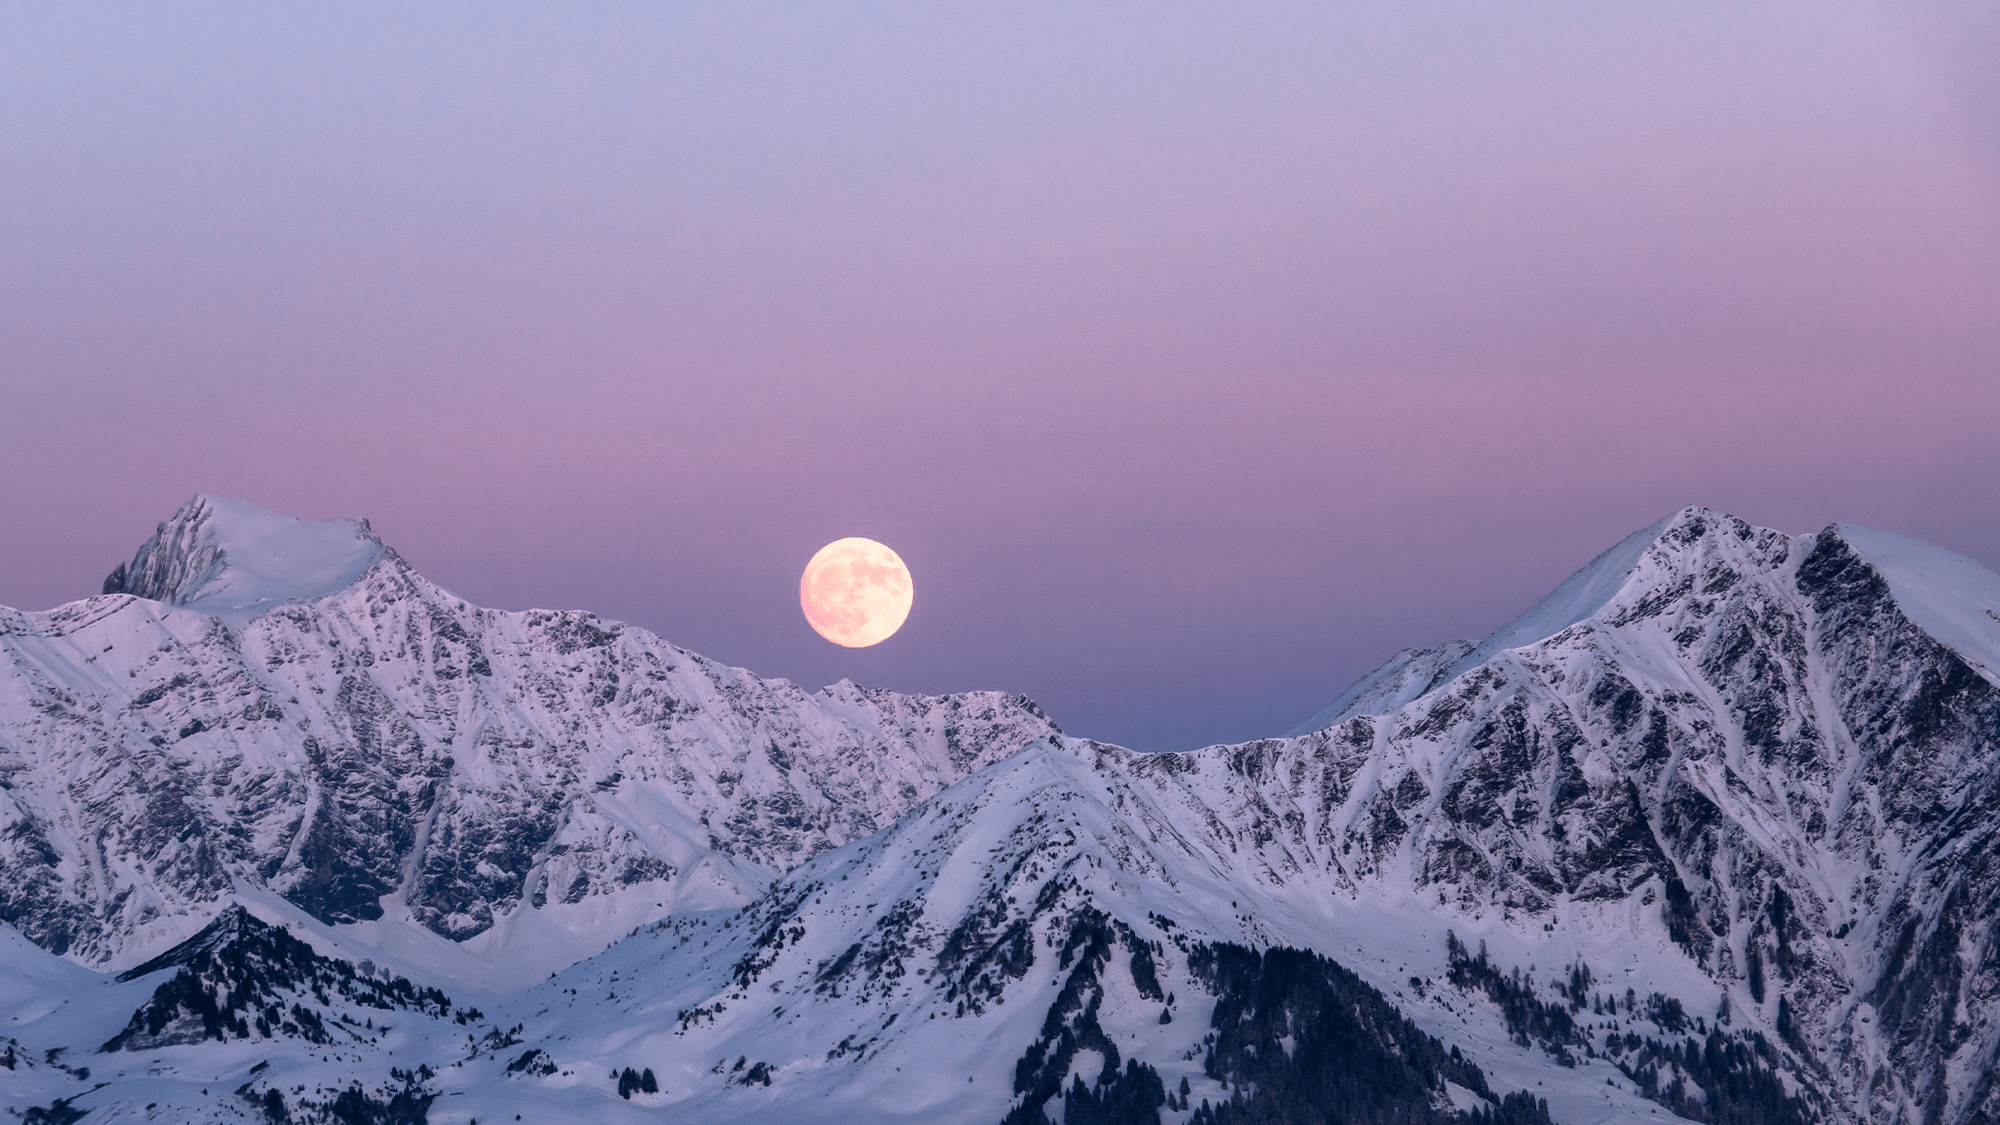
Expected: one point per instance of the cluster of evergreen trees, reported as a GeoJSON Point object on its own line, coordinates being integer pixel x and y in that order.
{"type": "Point", "coordinates": [986, 951]}
{"type": "Point", "coordinates": [632, 1082]}
{"type": "Point", "coordinates": [257, 969]}
{"type": "Point", "coordinates": [58, 1112]}
{"type": "Point", "coordinates": [1719, 1080]}
{"type": "Point", "coordinates": [1530, 1020]}
{"type": "Point", "coordinates": [409, 1105]}
{"type": "Point", "coordinates": [1133, 1097]}
{"type": "Point", "coordinates": [1731, 1087]}
{"type": "Point", "coordinates": [534, 1061]}
{"type": "Point", "coordinates": [1300, 1040]}
{"type": "Point", "coordinates": [1297, 1040]}
{"type": "Point", "coordinates": [1071, 1026]}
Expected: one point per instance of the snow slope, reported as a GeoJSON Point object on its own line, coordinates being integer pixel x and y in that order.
{"type": "Point", "coordinates": [1405, 676]}
{"type": "Point", "coordinates": [1581, 596]}
{"type": "Point", "coordinates": [1950, 597]}
{"type": "Point", "coordinates": [931, 952]}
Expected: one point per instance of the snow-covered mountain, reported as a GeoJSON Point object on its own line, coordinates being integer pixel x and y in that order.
{"type": "Point", "coordinates": [258, 702]}
{"type": "Point", "coordinates": [1717, 817]}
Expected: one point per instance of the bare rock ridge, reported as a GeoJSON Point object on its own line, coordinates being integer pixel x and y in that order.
{"type": "Point", "coordinates": [282, 704]}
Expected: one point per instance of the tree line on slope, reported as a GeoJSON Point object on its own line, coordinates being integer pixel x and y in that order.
{"type": "Point", "coordinates": [1296, 1038]}
{"type": "Point", "coordinates": [1720, 1079]}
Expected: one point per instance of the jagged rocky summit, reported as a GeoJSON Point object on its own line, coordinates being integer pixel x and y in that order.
{"type": "Point", "coordinates": [258, 703]}
{"type": "Point", "coordinates": [1708, 832]}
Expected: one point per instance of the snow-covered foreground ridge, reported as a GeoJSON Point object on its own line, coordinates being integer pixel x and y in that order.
{"type": "Point", "coordinates": [1725, 800]}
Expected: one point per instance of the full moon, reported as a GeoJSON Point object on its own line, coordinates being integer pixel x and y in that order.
{"type": "Point", "coordinates": [856, 592]}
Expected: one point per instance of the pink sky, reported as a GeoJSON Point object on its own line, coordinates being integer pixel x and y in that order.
{"type": "Point", "coordinates": [1194, 358]}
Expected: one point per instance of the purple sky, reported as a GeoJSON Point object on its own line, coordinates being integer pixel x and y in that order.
{"type": "Point", "coordinates": [1195, 357]}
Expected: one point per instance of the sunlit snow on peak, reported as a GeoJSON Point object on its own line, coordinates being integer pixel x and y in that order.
{"type": "Point", "coordinates": [235, 560]}
{"type": "Point", "coordinates": [1579, 597]}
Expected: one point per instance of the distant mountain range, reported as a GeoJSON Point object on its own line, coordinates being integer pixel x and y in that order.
{"type": "Point", "coordinates": [1708, 832]}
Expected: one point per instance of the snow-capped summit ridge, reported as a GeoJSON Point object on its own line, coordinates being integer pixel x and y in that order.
{"type": "Point", "coordinates": [1582, 595]}
{"type": "Point", "coordinates": [1402, 678]}
{"type": "Point", "coordinates": [231, 559]}
{"type": "Point", "coordinates": [1412, 672]}
{"type": "Point", "coordinates": [1952, 598]}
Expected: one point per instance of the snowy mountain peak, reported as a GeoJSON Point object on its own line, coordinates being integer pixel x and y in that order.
{"type": "Point", "coordinates": [1641, 567]}
{"type": "Point", "coordinates": [1781, 750]}
{"type": "Point", "coordinates": [1636, 568]}
{"type": "Point", "coordinates": [231, 559]}
{"type": "Point", "coordinates": [1694, 556]}
{"type": "Point", "coordinates": [286, 709]}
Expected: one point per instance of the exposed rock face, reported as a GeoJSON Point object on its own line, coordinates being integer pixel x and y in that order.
{"type": "Point", "coordinates": [385, 738]}
{"type": "Point", "coordinates": [1742, 733]}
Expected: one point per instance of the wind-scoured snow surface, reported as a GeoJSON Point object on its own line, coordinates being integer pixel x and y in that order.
{"type": "Point", "coordinates": [231, 560]}
{"type": "Point", "coordinates": [1720, 812]}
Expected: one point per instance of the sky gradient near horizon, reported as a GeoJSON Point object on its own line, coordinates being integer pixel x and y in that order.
{"type": "Point", "coordinates": [1195, 357]}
